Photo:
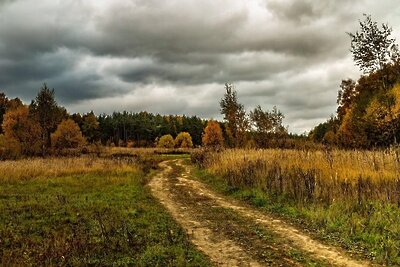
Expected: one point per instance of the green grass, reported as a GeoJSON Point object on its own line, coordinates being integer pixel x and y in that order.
{"type": "Point", "coordinates": [89, 220]}
{"type": "Point", "coordinates": [371, 231]}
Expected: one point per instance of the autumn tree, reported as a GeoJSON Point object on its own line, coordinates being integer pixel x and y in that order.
{"type": "Point", "coordinates": [47, 113]}
{"type": "Point", "coordinates": [14, 103]}
{"type": "Point", "coordinates": [352, 131]}
{"type": "Point", "coordinates": [346, 97]}
{"type": "Point", "coordinates": [67, 135]}
{"type": "Point", "coordinates": [212, 136]}
{"type": "Point", "coordinates": [21, 132]}
{"type": "Point", "coordinates": [235, 115]}
{"type": "Point", "coordinates": [166, 141]}
{"type": "Point", "coordinates": [183, 140]}
{"type": "Point", "coordinates": [374, 50]}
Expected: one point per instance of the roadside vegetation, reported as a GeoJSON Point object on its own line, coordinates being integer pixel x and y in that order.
{"type": "Point", "coordinates": [349, 197]}
{"type": "Point", "coordinates": [86, 211]}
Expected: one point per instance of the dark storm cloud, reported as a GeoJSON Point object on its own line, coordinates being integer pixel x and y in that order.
{"type": "Point", "coordinates": [208, 28]}
{"type": "Point", "coordinates": [175, 56]}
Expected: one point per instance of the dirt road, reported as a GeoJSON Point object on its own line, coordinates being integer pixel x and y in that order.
{"type": "Point", "coordinates": [232, 234]}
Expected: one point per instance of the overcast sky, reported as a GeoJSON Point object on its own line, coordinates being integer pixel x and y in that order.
{"type": "Point", "coordinates": [173, 57]}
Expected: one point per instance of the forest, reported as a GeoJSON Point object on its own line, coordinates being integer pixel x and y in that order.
{"type": "Point", "coordinates": [44, 127]}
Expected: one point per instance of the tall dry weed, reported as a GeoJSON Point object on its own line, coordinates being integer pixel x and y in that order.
{"type": "Point", "coordinates": [312, 175]}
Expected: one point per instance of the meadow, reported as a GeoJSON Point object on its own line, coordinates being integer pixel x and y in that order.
{"type": "Point", "coordinates": [96, 209]}
{"type": "Point", "coordinates": [350, 198]}
{"type": "Point", "coordinates": [87, 211]}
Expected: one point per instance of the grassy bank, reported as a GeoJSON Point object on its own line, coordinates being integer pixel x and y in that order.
{"type": "Point", "coordinates": [81, 211]}
{"type": "Point", "coordinates": [349, 198]}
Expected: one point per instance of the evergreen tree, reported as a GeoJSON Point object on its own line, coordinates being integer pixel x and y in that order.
{"type": "Point", "coordinates": [47, 113]}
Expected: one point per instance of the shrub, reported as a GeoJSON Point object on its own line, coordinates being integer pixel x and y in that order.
{"type": "Point", "coordinates": [183, 140]}
{"type": "Point", "coordinates": [68, 135]}
{"type": "Point", "coordinates": [166, 141]}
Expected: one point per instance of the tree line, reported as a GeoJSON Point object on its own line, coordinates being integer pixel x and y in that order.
{"type": "Point", "coordinates": [43, 127]}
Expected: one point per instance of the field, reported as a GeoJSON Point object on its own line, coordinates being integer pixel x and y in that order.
{"type": "Point", "coordinates": [86, 211]}
{"type": "Point", "coordinates": [153, 207]}
{"type": "Point", "coordinates": [350, 198]}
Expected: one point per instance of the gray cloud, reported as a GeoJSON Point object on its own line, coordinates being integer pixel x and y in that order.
{"type": "Point", "coordinates": [174, 56]}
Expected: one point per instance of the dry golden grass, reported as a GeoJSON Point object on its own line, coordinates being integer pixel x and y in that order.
{"type": "Point", "coordinates": [335, 164]}
{"type": "Point", "coordinates": [312, 174]}
{"type": "Point", "coordinates": [53, 167]}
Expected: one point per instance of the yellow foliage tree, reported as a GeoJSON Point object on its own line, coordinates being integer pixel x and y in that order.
{"type": "Point", "coordinates": [166, 141]}
{"type": "Point", "coordinates": [212, 136]}
{"type": "Point", "coordinates": [21, 133]}
{"type": "Point", "coordinates": [67, 135]}
{"type": "Point", "coordinates": [183, 140]}
{"type": "Point", "coordinates": [350, 132]}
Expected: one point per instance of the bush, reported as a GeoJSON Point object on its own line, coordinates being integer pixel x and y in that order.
{"type": "Point", "coordinates": [166, 141]}
{"type": "Point", "coordinates": [183, 140]}
{"type": "Point", "coordinates": [67, 136]}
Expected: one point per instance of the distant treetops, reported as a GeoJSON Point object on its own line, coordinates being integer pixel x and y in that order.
{"type": "Point", "coordinates": [44, 127]}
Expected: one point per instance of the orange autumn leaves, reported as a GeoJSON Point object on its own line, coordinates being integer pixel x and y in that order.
{"type": "Point", "coordinates": [67, 135]}
{"type": "Point", "coordinates": [212, 136]}
{"type": "Point", "coordinates": [22, 134]}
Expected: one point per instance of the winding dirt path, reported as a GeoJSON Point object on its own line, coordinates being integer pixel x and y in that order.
{"type": "Point", "coordinates": [223, 252]}
{"type": "Point", "coordinates": [232, 234]}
